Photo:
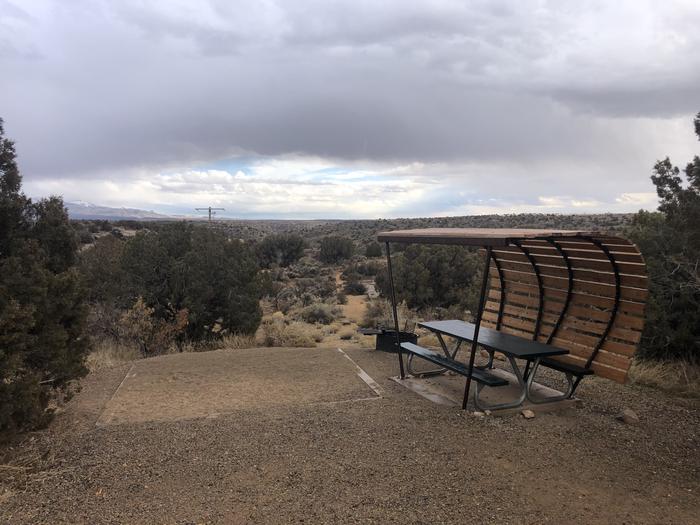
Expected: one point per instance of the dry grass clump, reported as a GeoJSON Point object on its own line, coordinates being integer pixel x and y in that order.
{"type": "Point", "coordinates": [110, 353]}
{"type": "Point", "coordinates": [346, 334]}
{"type": "Point", "coordinates": [428, 340]}
{"type": "Point", "coordinates": [237, 342]}
{"type": "Point", "coordinates": [677, 377]}
{"type": "Point", "coordinates": [276, 332]}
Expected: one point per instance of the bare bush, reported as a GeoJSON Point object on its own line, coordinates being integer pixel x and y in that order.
{"type": "Point", "coordinates": [318, 313]}
{"type": "Point", "coordinates": [276, 332]}
{"type": "Point", "coordinates": [141, 328]}
{"type": "Point", "coordinates": [378, 314]}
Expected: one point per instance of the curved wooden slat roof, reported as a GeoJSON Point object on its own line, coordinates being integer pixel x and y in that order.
{"type": "Point", "coordinates": [475, 236]}
{"type": "Point", "coordinates": [583, 291]}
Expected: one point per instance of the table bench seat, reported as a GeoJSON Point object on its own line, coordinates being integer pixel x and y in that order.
{"type": "Point", "coordinates": [561, 366]}
{"type": "Point", "coordinates": [480, 376]}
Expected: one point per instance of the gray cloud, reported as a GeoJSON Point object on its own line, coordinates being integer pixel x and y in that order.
{"type": "Point", "coordinates": [96, 87]}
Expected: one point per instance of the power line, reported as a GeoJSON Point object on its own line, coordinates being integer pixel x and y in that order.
{"type": "Point", "coordinates": [212, 211]}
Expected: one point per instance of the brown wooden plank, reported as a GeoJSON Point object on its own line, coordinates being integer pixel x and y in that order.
{"type": "Point", "coordinates": [518, 333]}
{"type": "Point", "coordinates": [598, 255]}
{"type": "Point", "coordinates": [568, 245]}
{"type": "Point", "coordinates": [602, 370]}
{"type": "Point", "coordinates": [524, 327]}
{"type": "Point", "coordinates": [615, 347]}
{"type": "Point", "coordinates": [605, 266]}
{"type": "Point", "coordinates": [581, 354]}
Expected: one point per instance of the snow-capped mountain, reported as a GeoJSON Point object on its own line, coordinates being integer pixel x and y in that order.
{"type": "Point", "coordinates": [87, 211]}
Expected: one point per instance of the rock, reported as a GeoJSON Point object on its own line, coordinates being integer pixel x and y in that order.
{"type": "Point", "coordinates": [478, 414]}
{"type": "Point", "coordinates": [528, 414]}
{"type": "Point", "coordinates": [628, 417]}
{"type": "Point", "coordinates": [487, 412]}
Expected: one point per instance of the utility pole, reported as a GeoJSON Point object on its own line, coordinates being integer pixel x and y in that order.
{"type": "Point", "coordinates": [212, 211]}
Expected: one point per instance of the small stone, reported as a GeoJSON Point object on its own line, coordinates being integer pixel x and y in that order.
{"type": "Point", "coordinates": [478, 414]}
{"type": "Point", "coordinates": [487, 412]}
{"type": "Point", "coordinates": [528, 414]}
{"type": "Point", "coordinates": [628, 417]}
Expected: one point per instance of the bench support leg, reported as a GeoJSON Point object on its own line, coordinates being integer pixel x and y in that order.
{"type": "Point", "coordinates": [435, 371]}
{"type": "Point", "coordinates": [509, 404]}
{"type": "Point", "coordinates": [550, 399]}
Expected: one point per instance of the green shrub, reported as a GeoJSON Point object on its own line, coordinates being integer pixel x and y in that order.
{"type": "Point", "coordinates": [670, 243]}
{"type": "Point", "coordinates": [369, 268]}
{"type": "Point", "coordinates": [183, 267]}
{"type": "Point", "coordinates": [335, 249]}
{"type": "Point", "coordinates": [374, 249]}
{"type": "Point", "coordinates": [441, 276]}
{"type": "Point", "coordinates": [355, 288]}
{"type": "Point", "coordinates": [280, 249]}
{"type": "Point", "coordinates": [42, 307]}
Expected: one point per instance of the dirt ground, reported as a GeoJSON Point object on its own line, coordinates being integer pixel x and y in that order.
{"type": "Point", "coordinates": [163, 441]}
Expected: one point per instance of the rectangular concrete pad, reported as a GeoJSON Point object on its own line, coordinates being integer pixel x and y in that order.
{"type": "Point", "coordinates": [190, 385]}
{"type": "Point", "coordinates": [448, 389]}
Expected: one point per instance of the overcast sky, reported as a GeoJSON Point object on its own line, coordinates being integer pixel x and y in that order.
{"type": "Point", "coordinates": [305, 109]}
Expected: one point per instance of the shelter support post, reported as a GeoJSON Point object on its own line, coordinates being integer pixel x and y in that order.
{"type": "Point", "coordinates": [477, 323]}
{"type": "Point", "coordinates": [394, 311]}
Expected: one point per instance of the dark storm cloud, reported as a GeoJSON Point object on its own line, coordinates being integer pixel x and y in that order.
{"type": "Point", "coordinates": [91, 87]}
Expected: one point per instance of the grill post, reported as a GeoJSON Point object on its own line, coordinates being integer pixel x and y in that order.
{"type": "Point", "coordinates": [393, 308]}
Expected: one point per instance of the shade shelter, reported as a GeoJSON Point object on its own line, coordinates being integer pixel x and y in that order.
{"type": "Point", "coordinates": [581, 293]}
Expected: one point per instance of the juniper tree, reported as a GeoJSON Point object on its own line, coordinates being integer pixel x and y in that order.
{"type": "Point", "coordinates": [670, 242]}
{"type": "Point", "coordinates": [42, 308]}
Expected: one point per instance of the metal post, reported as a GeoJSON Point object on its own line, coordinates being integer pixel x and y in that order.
{"type": "Point", "coordinates": [393, 307]}
{"type": "Point", "coordinates": [477, 323]}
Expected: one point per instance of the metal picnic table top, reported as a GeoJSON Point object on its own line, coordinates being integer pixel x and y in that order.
{"type": "Point", "coordinates": [494, 340]}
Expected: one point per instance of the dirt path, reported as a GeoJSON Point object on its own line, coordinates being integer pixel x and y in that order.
{"type": "Point", "coordinates": [355, 308]}
{"type": "Point", "coordinates": [332, 451]}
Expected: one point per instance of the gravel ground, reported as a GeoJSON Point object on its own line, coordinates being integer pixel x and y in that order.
{"type": "Point", "coordinates": [395, 459]}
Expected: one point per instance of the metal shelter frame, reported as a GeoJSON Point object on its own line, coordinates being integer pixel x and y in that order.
{"type": "Point", "coordinates": [583, 291]}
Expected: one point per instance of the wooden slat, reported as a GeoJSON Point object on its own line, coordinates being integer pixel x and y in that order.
{"type": "Point", "coordinates": [519, 333]}
{"type": "Point", "coordinates": [614, 374]}
{"type": "Point", "coordinates": [605, 266]}
{"type": "Point", "coordinates": [615, 347]}
{"type": "Point", "coordinates": [580, 272]}
{"type": "Point", "coordinates": [568, 245]}
{"type": "Point", "coordinates": [606, 358]}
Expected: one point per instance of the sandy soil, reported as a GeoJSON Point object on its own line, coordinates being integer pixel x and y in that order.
{"type": "Point", "coordinates": [351, 456]}
{"type": "Point", "coordinates": [354, 310]}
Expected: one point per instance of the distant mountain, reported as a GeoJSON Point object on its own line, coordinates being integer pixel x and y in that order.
{"type": "Point", "coordinates": [86, 211]}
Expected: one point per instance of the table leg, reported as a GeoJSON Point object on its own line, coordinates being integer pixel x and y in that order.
{"type": "Point", "coordinates": [508, 404]}
{"type": "Point", "coordinates": [435, 371]}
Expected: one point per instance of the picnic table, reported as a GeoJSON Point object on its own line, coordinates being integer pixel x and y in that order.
{"type": "Point", "coordinates": [571, 301]}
